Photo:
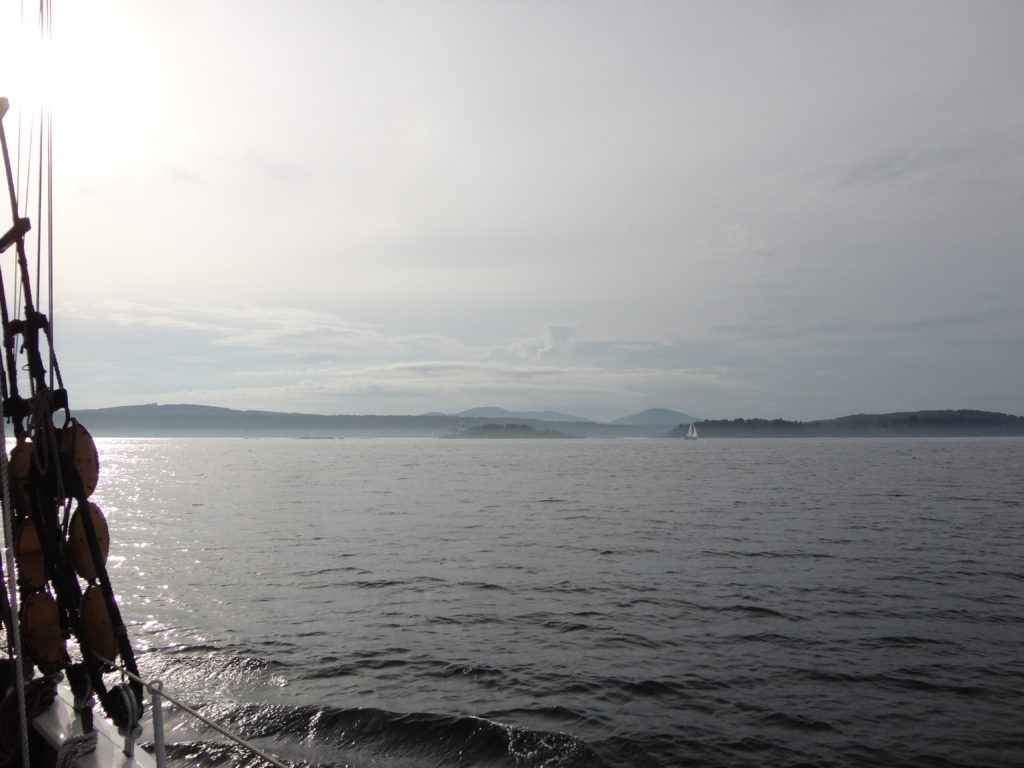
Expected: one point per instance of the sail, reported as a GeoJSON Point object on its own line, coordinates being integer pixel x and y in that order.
{"type": "Point", "coordinates": [692, 431]}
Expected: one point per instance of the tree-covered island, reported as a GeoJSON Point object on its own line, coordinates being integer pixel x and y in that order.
{"type": "Point", "coordinates": [961, 423]}
{"type": "Point", "coordinates": [505, 431]}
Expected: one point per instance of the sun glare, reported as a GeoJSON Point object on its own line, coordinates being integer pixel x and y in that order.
{"type": "Point", "coordinates": [90, 73]}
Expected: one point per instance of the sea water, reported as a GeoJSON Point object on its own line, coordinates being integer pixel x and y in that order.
{"type": "Point", "coordinates": [401, 602]}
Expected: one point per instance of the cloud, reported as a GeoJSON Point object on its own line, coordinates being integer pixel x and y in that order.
{"type": "Point", "coordinates": [284, 332]}
{"type": "Point", "coordinates": [935, 161]}
{"type": "Point", "coordinates": [736, 244]}
{"type": "Point", "coordinates": [555, 341]}
{"type": "Point", "coordinates": [453, 386]}
{"type": "Point", "coordinates": [286, 358]}
{"type": "Point", "coordinates": [323, 363]}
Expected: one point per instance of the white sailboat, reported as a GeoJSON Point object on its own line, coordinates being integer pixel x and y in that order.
{"type": "Point", "coordinates": [691, 433]}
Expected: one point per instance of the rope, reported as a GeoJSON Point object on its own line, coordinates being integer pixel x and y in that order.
{"type": "Point", "coordinates": [201, 718]}
{"type": "Point", "coordinates": [28, 157]}
{"type": "Point", "coordinates": [49, 245]}
{"type": "Point", "coordinates": [74, 748]}
{"type": "Point", "coordinates": [39, 201]}
{"type": "Point", "coordinates": [19, 677]}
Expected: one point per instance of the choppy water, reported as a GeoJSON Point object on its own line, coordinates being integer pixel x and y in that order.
{"type": "Point", "coordinates": [581, 602]}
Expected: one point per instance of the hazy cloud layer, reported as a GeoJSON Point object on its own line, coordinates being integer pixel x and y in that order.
{"type": "Point", "coordinates": [778, 209]}
{"type": "Point", "coordinates": [297, 360]}
{"type": "Point", "coordinates": [277, 358]}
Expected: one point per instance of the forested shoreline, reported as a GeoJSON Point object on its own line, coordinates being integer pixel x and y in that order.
{"type": "Point", "coordinates": [960, 423]}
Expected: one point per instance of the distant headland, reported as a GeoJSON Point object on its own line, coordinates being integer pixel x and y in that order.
{"type": "Point", "coordinates": [506, 431]}
{"type": "Point", "coordinates": [183, 420]}
{"type": "Point", "coordinates": [907, 424]}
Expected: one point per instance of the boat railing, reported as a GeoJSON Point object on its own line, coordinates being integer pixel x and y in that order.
{"type": "Point", "coordinates": [157, 696]}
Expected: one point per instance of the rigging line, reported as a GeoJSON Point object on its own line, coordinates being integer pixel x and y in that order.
{"type": "Point", "coordinates": [26, 172]}
{"type": "Point", "coordinates": [7, 167]}
{"type": "Point", "coordinates": [17, 305]}
{"type": "Point", "coordinates": [43, 49]}
{"type": "Point", "coordinates": [6, 618]}
{"type": "Point", "coordinates": [39, 206]}
{"type": "Point", "coordinates": [4, 322]}
{"type": "Point", "coordinates": [8, 342]}
{"type": "Point", "coordinates": [17, 147]}
{"type": "Point", "coordinates": [49, 248]}
{"type": "Point", "coordinates": [28, 156]}
{"type": "Point", "coordinates": [17, 153]}
{"type": "Point", "coordinates": [49, 163]}
{"type": "Point", "coordinates": [47, 24]}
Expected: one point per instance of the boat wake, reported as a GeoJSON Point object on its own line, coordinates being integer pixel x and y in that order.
{"type": "Point", "coordinates": [328, 737]}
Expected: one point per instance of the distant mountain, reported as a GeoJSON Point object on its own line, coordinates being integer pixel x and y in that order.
{"type": "Point", "coordinates": [501, 413]}
{"type": "Point", "coordinates": [153, 420]}
{"type": "Point", "coordinates": [657, 416]}
{"type": "Point", "coordinates": [183, 420]}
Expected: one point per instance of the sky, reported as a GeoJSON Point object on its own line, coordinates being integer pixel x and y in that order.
{"type": "Point", "coordinates": [797, 210]}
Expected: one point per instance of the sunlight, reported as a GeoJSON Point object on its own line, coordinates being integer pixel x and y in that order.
{"type": "Point", "coordinates": [92, 75]}
{"type": "Point", "coordinates": [21, 50]}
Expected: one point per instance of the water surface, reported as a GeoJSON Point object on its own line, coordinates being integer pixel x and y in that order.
{"type": "Point", "coordinates": [402, 602]}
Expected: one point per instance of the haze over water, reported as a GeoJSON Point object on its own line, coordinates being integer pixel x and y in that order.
{"type": "Point", "coordinates": [580, 603]}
